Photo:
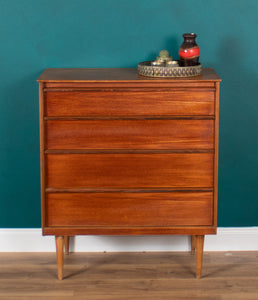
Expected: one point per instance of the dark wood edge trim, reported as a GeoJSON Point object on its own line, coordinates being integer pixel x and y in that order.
{"type": "Point", "coordinates": [76, 118]}
{"type": "Point", "coordinates": [140, 80]}
{"type": "Point", "coordinates": [128, 190]}
{"type": "Point", "coordinates": [130, 90]}
{"type": "Point", "coordinates": [187, 230]}
{"type": "Point", "coordinates": [125, 227]}
{"type": "Point", "coordinates": [125, 151]}
{"type": "Point", "coordinates": [129, 84]}
{"type": "Point", "coordinates": [42, 156]}
{"type": "Point", "coordinates": [216, 154]}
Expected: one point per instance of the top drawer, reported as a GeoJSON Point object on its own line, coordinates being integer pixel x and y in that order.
{"type": "Point", "coordinates": [129, 103]}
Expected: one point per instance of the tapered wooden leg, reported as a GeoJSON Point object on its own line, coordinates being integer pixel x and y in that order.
{"type": "Point", "coordinates": [199, 255]}
{"type": "Point", "coordinates": [66, 244]}
{"type": "Point", "coordinates": [193, 243]}
{"type": "Point", "coordinates": [60, 256]}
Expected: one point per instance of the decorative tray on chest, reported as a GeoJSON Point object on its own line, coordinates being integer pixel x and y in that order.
{"type": "Point", "coordinates": [147, 69]}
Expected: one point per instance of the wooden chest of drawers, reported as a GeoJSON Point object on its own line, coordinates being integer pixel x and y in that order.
{"type": "Point", "coordinates": [123, 154]}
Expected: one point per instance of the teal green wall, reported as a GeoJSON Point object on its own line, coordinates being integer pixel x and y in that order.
{"type": "Point", "coordinates": [36, 34]}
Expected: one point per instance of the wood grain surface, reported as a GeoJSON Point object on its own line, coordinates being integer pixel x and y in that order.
{"type": "Point", "coordinates": [126, 154]}
{"type": "Point", "coordinates": [114, 75]}
{"type": "Point", "coordinates": [129, 209]}
{"type": "Point", "coordinates": [129, 103]}
{"type": "Point", "coordinates": [130, 134]}
{"type": "Point", "coordinates": [129, 276]}
{"type": "Point", "coordinates": [130, 170]}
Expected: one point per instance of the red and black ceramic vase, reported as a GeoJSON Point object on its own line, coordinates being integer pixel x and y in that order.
{"type": "Point", "coordinates": [189, 51]}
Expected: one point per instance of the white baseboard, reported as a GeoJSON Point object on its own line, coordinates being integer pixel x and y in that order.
{"type": "Point", "coordinates": [31, 240]}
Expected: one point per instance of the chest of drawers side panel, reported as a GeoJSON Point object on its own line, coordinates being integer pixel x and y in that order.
{"type": "Point", "coordinates": [216, 151]}
{"type": "Point", "coordinates": [42, 154]}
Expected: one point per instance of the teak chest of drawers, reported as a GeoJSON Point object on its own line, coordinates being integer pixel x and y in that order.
{"type": "Point", "coordinates": [123, 154]}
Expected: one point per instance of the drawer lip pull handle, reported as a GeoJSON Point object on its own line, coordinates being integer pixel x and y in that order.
{"type": "Point", "coordinates": [129, 190]}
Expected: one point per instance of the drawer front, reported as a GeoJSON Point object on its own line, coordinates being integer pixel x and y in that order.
{"type": "Point", "coordinates": [129, 170]}
{"type": "Point", "coordinates": [130, 134]}
{"type": "Point", "coordinates": [129, 103]}
{"type": "Point", "coordinates": [129, 209]}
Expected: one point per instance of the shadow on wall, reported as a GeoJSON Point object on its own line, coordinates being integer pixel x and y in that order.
{"type": "Point", "coordinates": [238, 160]}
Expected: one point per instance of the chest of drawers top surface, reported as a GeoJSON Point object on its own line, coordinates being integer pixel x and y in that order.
{"type": "Point", "coordinates": [117, 75]}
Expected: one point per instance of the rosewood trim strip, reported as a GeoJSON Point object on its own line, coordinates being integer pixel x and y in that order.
{"type": "Point", "coordinates": [123, 151]}
{"type": "Point", "coordinates": [194, 89]}
{"type": "Point", "coordinates": [75, 118]}
{"type": "Point", "coordinates": [127, 190]}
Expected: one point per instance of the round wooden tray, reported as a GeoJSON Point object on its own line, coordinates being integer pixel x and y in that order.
{"type": "Point", "coordinates": [146, 69]}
